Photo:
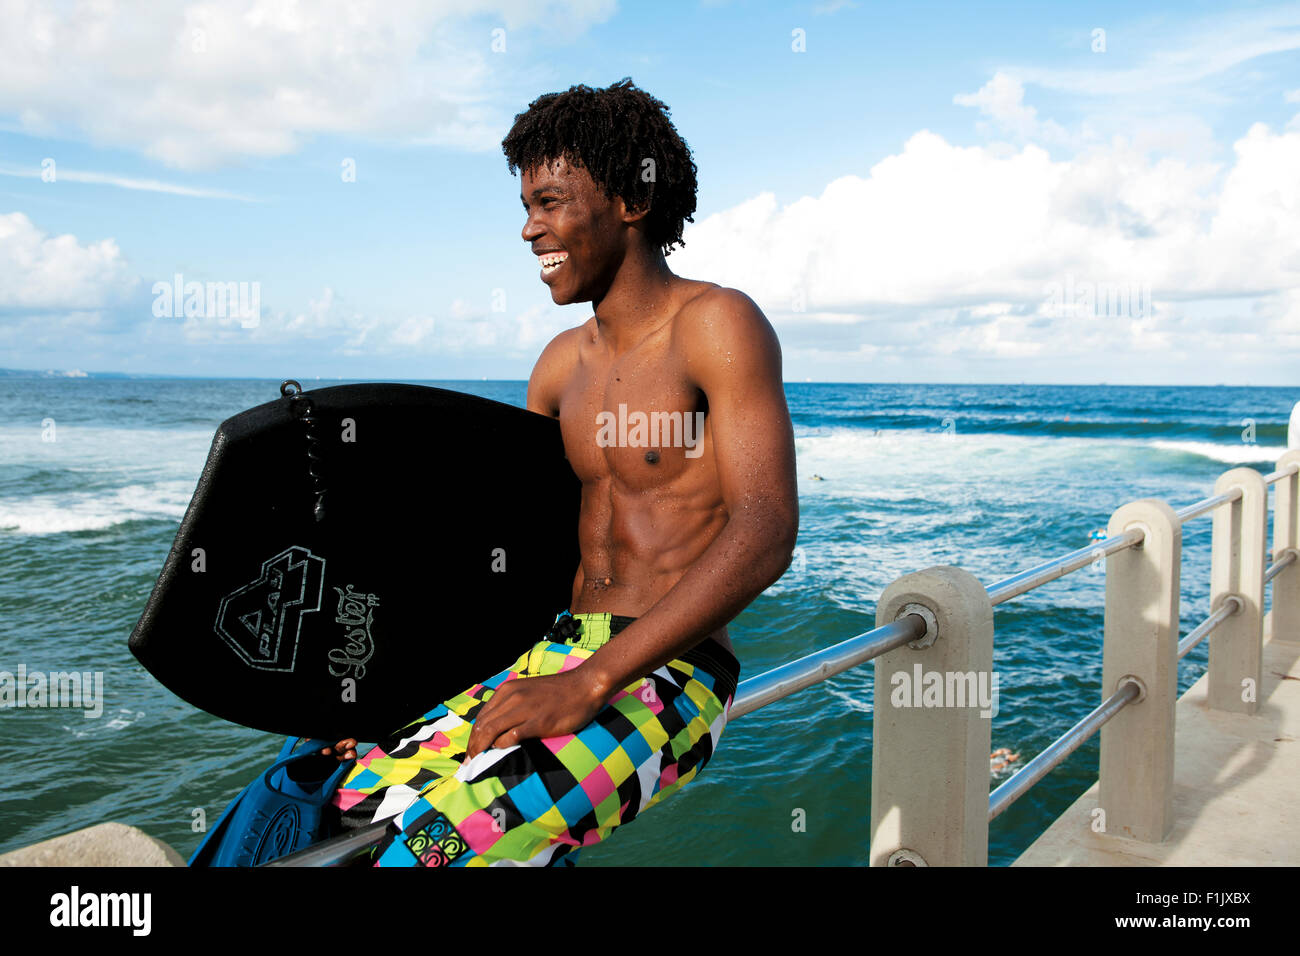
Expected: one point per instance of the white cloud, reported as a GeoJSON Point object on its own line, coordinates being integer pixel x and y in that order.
{"type": "Point", "coordinates": [535, 327]}
{"type": "Point", "coordinates": [954, 248]}
{"type": "Point", "coordinates": [992, 309]}
{"type": "Point", "coordinates": [833, 6]}
{"type": "Point", "coordinates": [1002, 100]}
{"type": "Point", "coordinates": [43, 272]}
{"type": "Point", "coordinates": [200, 84]}
{"type": "Point", "coordinates": [122, 182]}
{"type": "Point", "coordinates": [1180, 57]}
{"type": "Point", "coordinates": [1158, 85]}
{"type": "Point", "coordinates": [330, 323]}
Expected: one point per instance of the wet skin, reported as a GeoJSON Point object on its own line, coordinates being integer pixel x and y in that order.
{"type": "Point", "coordinates": [683, 543]}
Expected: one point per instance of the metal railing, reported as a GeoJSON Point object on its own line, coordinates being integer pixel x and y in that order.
{"type": "Point", "coordinates": [1025, 581]}
{"type": "Point", "coordinates": [1070, 741]}
{"type": "Point", "coordinates": [1231, 606]}
{"type": "Point", "coordinates": [816, 667]}
{"type": "Point", "coordinates": [1277, 566]}
{"type": "Point", "coordinates": [1130, 691]}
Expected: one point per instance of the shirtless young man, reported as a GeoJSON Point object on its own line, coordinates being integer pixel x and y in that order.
{"type": "Point", "coordinates": [625, 701]}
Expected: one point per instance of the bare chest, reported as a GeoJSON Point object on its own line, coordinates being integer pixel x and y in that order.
{"type": "Point", "coordinates": [635, 419]}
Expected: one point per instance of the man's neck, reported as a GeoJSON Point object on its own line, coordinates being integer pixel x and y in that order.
{"type": "Point", "coordinates": [636, 301]}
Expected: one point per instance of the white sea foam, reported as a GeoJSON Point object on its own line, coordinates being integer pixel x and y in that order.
{"type": "Point", "coordinates": [904, 499]}
{"type": "Point", "coordinates": [1239, 453]}
{"type": "Point", "coordinates": [905, 464]}
{"type": "Point", "coordinates": [853, 701]}
{"type": "Point", "coordinates": [60, 513]}
{"type": "Point", "coordinates": [121, 723]}
{"type": "Point", "coordinates": [893, 464]}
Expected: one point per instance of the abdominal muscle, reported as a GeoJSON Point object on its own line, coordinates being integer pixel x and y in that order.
{"type": "Point", "coordinates": [636, 546]}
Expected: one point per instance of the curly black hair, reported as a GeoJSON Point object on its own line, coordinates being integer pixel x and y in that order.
{"type": "Point", "coordinates": [611, 132]}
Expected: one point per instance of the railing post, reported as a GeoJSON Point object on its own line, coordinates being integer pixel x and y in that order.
{"type": "Point", "coordinates": [1237, 568]}
{"type": "Point", "coordinates": [931, 727]}
{"type": "Point", "coordinates": [1141, 641]}
{"type": "Point", "coordinates": [1285, 622]}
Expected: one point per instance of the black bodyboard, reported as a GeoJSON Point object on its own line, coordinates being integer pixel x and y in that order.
{"type": "Point", "coordinates": [355, 555]}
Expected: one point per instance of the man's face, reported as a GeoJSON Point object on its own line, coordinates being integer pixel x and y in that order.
{"type": "Point", "coordinates": [569, 216]}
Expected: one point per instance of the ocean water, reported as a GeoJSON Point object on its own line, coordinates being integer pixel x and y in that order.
{"type": "Point", "coordinates": [994, 478]}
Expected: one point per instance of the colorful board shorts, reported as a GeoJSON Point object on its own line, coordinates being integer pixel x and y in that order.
{"type": "Point", "coordinates": [538, 802]}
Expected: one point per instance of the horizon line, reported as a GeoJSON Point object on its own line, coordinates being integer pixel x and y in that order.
{"type": "Point", "coordinates": [64, 374]}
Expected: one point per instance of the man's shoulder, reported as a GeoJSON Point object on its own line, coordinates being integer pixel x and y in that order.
{"type": "Point", "coordinates": [719, 309]}
{"type": "Point", "coordinates": [553, 369]}
{"type": "Point", "coordinates": [720, 322]}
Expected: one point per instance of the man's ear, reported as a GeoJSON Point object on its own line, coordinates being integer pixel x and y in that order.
{"type": "Point", "coordinates": [634, 212]}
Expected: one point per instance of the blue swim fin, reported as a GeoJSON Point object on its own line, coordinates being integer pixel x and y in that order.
{"type": "Point", "coordinates": [279, 812]}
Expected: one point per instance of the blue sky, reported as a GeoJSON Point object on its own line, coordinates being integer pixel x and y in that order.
{"type": "Point", "coordinates": [930, 192]}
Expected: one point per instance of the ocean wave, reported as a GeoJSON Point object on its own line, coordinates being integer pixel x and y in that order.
{"type": "Point", "coordinates": [93, 511]}
{"type": "Point", "coordinates": [828, 446]}
{"type": "Point", "coordinates": [1241, 453]}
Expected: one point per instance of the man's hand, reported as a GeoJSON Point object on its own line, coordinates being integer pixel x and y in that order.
{"type": "Point", "coordinates": [345, 749]}
{"type": "Point", "coordinates": [529, 707]}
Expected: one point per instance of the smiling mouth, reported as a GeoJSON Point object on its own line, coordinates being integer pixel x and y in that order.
{"type": "Point", "coordinates": [551, 263]}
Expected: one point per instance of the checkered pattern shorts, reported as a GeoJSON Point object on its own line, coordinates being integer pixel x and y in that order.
{"type": "Point", "coordinates": [540, 801]}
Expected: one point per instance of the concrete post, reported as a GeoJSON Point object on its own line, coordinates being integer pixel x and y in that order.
{"type": "Point", "coordinates": [1237, 568]}
{"type": "Point", "coordinates": [932, 724]}
{"type": "Point", "coordinates": [1286, 535]}
{"type": "Point", "coordinates": [1141, 640]}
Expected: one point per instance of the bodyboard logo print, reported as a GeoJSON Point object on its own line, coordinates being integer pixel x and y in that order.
{"type": "Point", "coordinates": [356, 613]}
{"type": "Point", "coordinates": [262, 621]}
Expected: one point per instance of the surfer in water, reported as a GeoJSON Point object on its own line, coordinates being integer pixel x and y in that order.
{"type": "Point", "coordinates": [673, 414]}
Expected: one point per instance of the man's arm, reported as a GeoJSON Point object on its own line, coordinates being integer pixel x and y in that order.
{"type": "Point", "coordinates": [734, 357]}
{"type": "Point", "coordinates": [549, 375]}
